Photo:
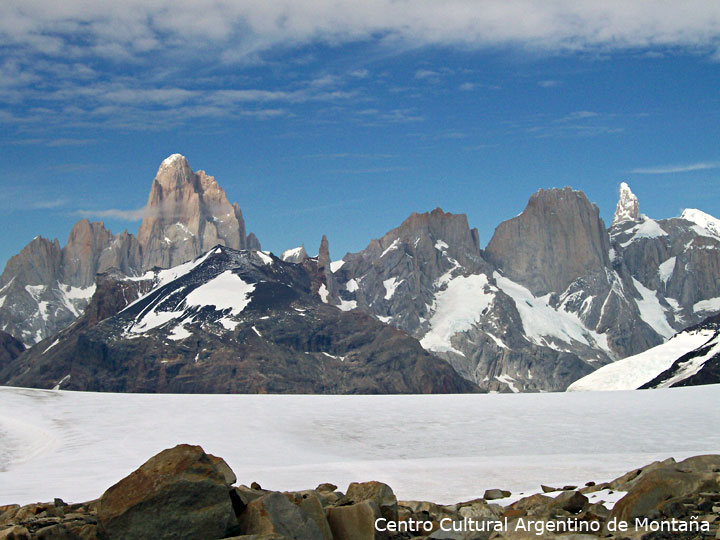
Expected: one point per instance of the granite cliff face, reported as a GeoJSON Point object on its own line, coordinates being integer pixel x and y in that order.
{"type": "Point", "coordinates": [558, 238]}
{"type": "Point", "coordinates": [187, 213]}
{"type": "Point", "coordinates": [45, 288]}
{"type": "Point", "coordinates": [229, 322]}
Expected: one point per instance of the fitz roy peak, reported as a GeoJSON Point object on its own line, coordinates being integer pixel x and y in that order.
{"type": "Point", "coordinates": [187, 214]}
{"type": "Point", "coordinates": [45, 287]}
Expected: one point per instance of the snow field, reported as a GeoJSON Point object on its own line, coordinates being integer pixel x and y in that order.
{"type": "Point", "coordinates": [443, 448]}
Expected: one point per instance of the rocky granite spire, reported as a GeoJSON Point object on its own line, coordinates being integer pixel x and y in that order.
{"type": "Point", "coordinates": [627, 206]}
{"type": "Point", "coordinates": [187, 214]}
{"type": "Point", "coordinates": [558, 238]}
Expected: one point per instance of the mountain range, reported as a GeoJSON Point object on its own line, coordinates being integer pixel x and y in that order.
{"type": "Point", "coordinates": [192, 304]}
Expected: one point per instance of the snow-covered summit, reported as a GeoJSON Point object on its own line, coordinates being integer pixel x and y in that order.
{"type": "Point", "coordinates": [701, 219]}
{"type": "Point", "coordinates": [628, 207]}
{"type": "Point", "coordinates": [294, 255]}
{"type": "Point", "coordinates": [171, 159]}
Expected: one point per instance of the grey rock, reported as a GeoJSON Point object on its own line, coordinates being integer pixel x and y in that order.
{"type": "Point", "coordinates": [275, 514]}
{"type": "Point", "coordinates": [354, 522]}
{"type": "Point", "coordinates": [571, 501]}
{"type": "Point", "coordinates": [494, 494]}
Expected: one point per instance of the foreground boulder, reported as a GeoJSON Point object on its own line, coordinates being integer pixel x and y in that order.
{"type": "Point", "coordinates": [654, 491]}
{"type": "Point", "coordinates": [178, 494]}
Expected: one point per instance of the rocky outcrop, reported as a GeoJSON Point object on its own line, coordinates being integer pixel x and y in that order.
{"type": "Point", "coordinates": [180, 494]}
{"type": "Point", "coordinates": [230, 322]}
{"type": "Point", "coordinates": [45, 287]}
{"type": "Point", "coordinates": [10, 349]}
{"type": "Point", "coordinates": [187, 494]}
{"type": "Point", "coordinates": [187, 213]}
{"type": "Point", "coordinates": [395, 278]}
{"type": "Point", "coordinates": [558, 238]}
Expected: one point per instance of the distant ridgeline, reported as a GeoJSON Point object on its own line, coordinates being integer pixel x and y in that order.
{"type": "Point", "coordinates": [191, 304]}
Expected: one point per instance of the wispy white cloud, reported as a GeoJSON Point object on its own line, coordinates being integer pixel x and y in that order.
{"type": "Point", "coordinates": [48, 204]}
{"type": "Point", "coordinates": [676, 169]}
{"type": "Point", "coordinates": [426, 74]}
{"type": "Point", "coordinates": [113, 213]}
{"type": "Point", "coordinates": [548, 83]}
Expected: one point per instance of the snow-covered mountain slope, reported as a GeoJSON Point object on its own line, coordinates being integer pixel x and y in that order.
{"type": "Point", "coordinates": [689, 357]}
{"type": "Point", "coordinates": [440, 448]}
{"type": "Point", "coordinates": [229, 322]}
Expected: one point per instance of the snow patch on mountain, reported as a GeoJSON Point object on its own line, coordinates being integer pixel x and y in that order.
{"type": "Point", "coordinates": [651, 311]}
{"type": "Point", "coordinates": [395, 245]}
{"type": "Point", "coordinates": [390, 286]}
{"type": "Point", "coordinates": [352, 285]}
{"type": "Point", "coordinates": [693, 366]}
{"type": "Point", "coordinates": [648, 228]}
{"type": "Point", "coordinates": [665, 270]}
{"type": "Point", "coordinates": [706, 224]}
{"type": "Point", "coordinates": [457, 309]}
{"type": "Point", "coordinates": [336, 265]}
{"type": "Point", "coordinates": [707, 306]}
{"type": "Point", "coordinates": [634, 371]}
{"type": "Point", "coordinates": [226, 292]}
{"type": "Point", "coordinates": [542, 323]}
{"type": "Point", "coordinates": [294, 255]}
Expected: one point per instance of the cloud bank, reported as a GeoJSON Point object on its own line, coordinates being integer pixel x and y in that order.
{"type": "Point", "coordinates": [242, 29]}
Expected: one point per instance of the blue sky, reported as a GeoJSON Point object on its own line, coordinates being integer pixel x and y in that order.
{"type": "Point", "coordinates": [342, 118]}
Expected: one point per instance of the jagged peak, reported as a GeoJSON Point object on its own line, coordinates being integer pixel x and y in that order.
{"type": "Point", "coordinates": [295, 255]}
{"type": "Point", "coordinates": [628, 208]}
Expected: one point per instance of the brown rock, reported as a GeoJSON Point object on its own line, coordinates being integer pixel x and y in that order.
{"type": "Point", "coordinates": [354, 522]}
{"type": "Point", "coordinates": [177, 494]}
{"type": "Point", "coordinates": [649, 492]}
{"type": "Point", "coordinates": [381, 494]}
{"type": "Point", "coordinates": [571, 501]}
{"type": "Point", "coordinates": [224, 469]}
{"type": "Point", "coordinates": [15, 533]}
{"type": "Point", "coordinates": [494, 494]}
{"type": "Point", "coordinates": [558, 238]}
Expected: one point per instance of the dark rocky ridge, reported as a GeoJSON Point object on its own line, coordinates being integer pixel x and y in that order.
{"type": "Point", "coordinates": [684, 372]}
{"type": "Point", "coordinates": [10, 349]}
{"type": "Point", "coordinates": [285, 340]}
